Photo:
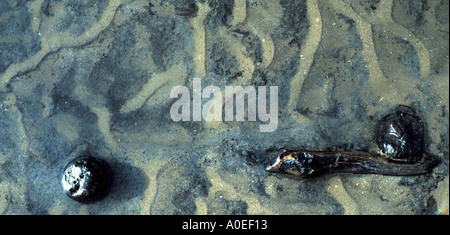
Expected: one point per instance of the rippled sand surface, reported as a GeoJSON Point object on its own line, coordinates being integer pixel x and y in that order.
{"type": "Point", "coordinates": [95, 77]}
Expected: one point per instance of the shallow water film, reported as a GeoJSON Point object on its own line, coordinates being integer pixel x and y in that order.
{"type": "Point", "coordinates": [100, 78]}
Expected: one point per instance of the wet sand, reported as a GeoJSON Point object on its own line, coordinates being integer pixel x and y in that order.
{"type": "Point", "coordinates": [95, 77]}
